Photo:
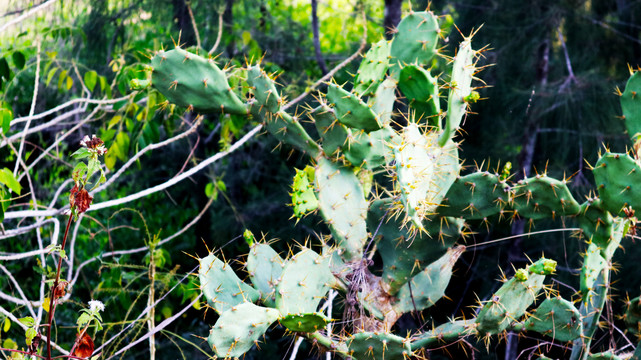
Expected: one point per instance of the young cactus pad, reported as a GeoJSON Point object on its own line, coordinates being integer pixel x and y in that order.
{"type": "Point", "coordinates": [350, 109]}
{"type": "Point", "coordinates": [415, 41]}
{"type": "Point", "coordinates": [556, 318]}
{"type": "Point", "coordinates": [190, 80]}
{"type": "Point", "coordinates": [460, 89]}
{"type": "Point", "coordinates": [343, 206]}
{"type": "Point", "coordinates": [221, 286]}
{"type": "Point", "coordinates": [426, 288]}
{"type": "Point", "coordinates": [265, 266]}
{"type": "Point", "coordinates": [239, 328]}
{"type": "Point", "coordinates": [512, 299]}
{"type": "Point", "coordinates": [373, 68]}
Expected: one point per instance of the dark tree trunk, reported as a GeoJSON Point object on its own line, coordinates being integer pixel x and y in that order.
{"type": "Point", "coordinates": [183, 23]}
{"type": "Point", "coordinates": [228, 20]}
{"type": "Point", "coordinates": [526, 158]}
{"type": "Point", "coordinates": [392, 16]}
{"type": "Point", "coordinates": [315, 31]}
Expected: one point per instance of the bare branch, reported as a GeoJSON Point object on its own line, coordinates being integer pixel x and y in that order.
{"type": "Point", "coordinates": [27, 14]}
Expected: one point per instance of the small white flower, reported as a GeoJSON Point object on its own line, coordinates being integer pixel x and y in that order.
{"type": "Point", "coordinates": [85, 140]}
{"type": "Point", "coordinates": [96, 305]}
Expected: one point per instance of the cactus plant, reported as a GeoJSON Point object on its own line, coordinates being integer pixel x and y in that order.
{"type": "Point", "coordinates": [416, 223]}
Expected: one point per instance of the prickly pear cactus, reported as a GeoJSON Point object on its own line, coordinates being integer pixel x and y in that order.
{"type": "Point", "coordinates": [415, 222]}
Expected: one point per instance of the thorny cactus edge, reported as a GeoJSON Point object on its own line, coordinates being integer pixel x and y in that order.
{"type": "Point", "coordinates": [418, 222]}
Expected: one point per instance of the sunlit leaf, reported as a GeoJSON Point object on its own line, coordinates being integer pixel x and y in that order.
{"type": "Point", "coordinates": [51, 74]}
{"type": "Point", "coordinates": [7, 178]}
{"type": "Point", "coordinates": [61, 79]}
{"type": "Point", "coordinates": [91, 78]}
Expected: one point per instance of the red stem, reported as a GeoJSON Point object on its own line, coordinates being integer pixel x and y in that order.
{"type": "Point", "coordinates": [52, 301]}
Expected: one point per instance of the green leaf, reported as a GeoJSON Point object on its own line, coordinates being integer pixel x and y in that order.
{"type": "Point", "coordinates": [221, 185]}
{"type": "Point", "coordinates": [122, 139]}
{"type": "Point", "coordinates": [209, 190]}
{"type": "Point", "coordinates": [79, 171]}
{"type": "Point", "coordinates": [92, 167]}
{"type": "Point", "coordinates": [9, 344]}
{"type": "Point", "coordinates": [69, 83]}
{"type": "Point", "coordinates": [6, 116]}
{"type": "Point", "coordinates": [61, 79]}
{"type": "Point", "coordinates": [7, 178]}
{"type": "Point", "coordinates": [5, 72]}
{"type": "Point", "coordinates": [114, 121]}
{"type": "Point", "coordinates": [30, 334]}
{"type": "Point", "coordinates": [83, 319]}
{"type": "Point", "coordinates": [6, 325]}
{"type": "Point", "coordinates": [103, 83]}
{"type": "Point", "coordinates": [91, 77]}
{"type": "Point", "coordinates": [51, 74]}
{"type": "Point", "coordinates": [27, 321]}
{"type": "Point", "coordinates": [81, 153]}
{"type": "Point", "coordinates": [18, 59]}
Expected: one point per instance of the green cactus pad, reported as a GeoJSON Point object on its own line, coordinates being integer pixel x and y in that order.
{"type": "Point", "coordinates": [221, 286]}
{"type": "Point", "coordinates": [632, 315]}
{"type": "Point", "coordinates": [303, 198]}
{"type": "Point", "coordinates": [453, 330]}
{"type": "Point", "coordinates": [509, 303]}
{"type": "Point", "coordinates": [606, 355]}
{"type": "Point", "coordinates": [421, 90]}
{"type": "Point", "coordinates": [370, 150]}
{"type": "Point", "coordinates": [631, 106]}
{"type": "Point", "coordinates": [596, 223]}
{"type": "Point", "coordinates": [618, 180]}
{"type": "Point", "coordinates": [475, 196]}
{"type": "Point", "coordinates": [424, 172]}
{"type": "Point", "coordinates": [333, 133]}
{"type": "Point", "coordinates": [350, 109]}
{"type": "Point", "coordinates": [308, 322]}
{"type": "Point", "coordinates": [288, 129]}
{"type": "Point", "coordinates": [637, 353]}
{"type": "Point", "coordinates": [460, 88]}
{"type": "Point", "coordinates": [590, 311]}
{"type": "Point", "coordinates": [187, 79]}
{"type": "Point", "coordinates": [415, 41]}
{"type": "Point", "coordinates": [304, 283]}
{"type": "Point", "coordinates": [343, 206]}
{"type": "Point", "coordinates": [239, 328]}
{"type": "Point", "coordinates": [593, 264]}
{"type": "Point", "coordinates": [382, 102]}
{"type": "Point", "coordinates": [378, 346]}
{"type": "Point", "coordinates": [426, 288]}
{"type": "Point", "coordinates": [556, 318]}
{"type": "Point", "coordinates": [543, 197]}
{"type": "Point", "coordinates": [264, 88]}
{"type": "Point", "coordinates": [542, 267]}
{"type": "Point", "coordinates": [265, 266]}
{"type": "Point", "coordinates": [373, 68]}
{"type": "Point", "coordinates": [405, 254]}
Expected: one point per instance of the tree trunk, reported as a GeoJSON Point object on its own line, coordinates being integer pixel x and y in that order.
{"type": "Point", "coordinates": [228, 20]}
{"type": "Point", "coordinates": [392, 16]}
{"type": "Point", "coordinates": [315, 31]}
{"type": "Point", "coordinates": [524, 170]}
{"type": "Point", "coordinates": [182, 20]}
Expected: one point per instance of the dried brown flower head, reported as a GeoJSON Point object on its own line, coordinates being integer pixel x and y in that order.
{"type": "Point", "coordinates": [85, 346]}
{"type": "Point", "coordinates": [80, 199]}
